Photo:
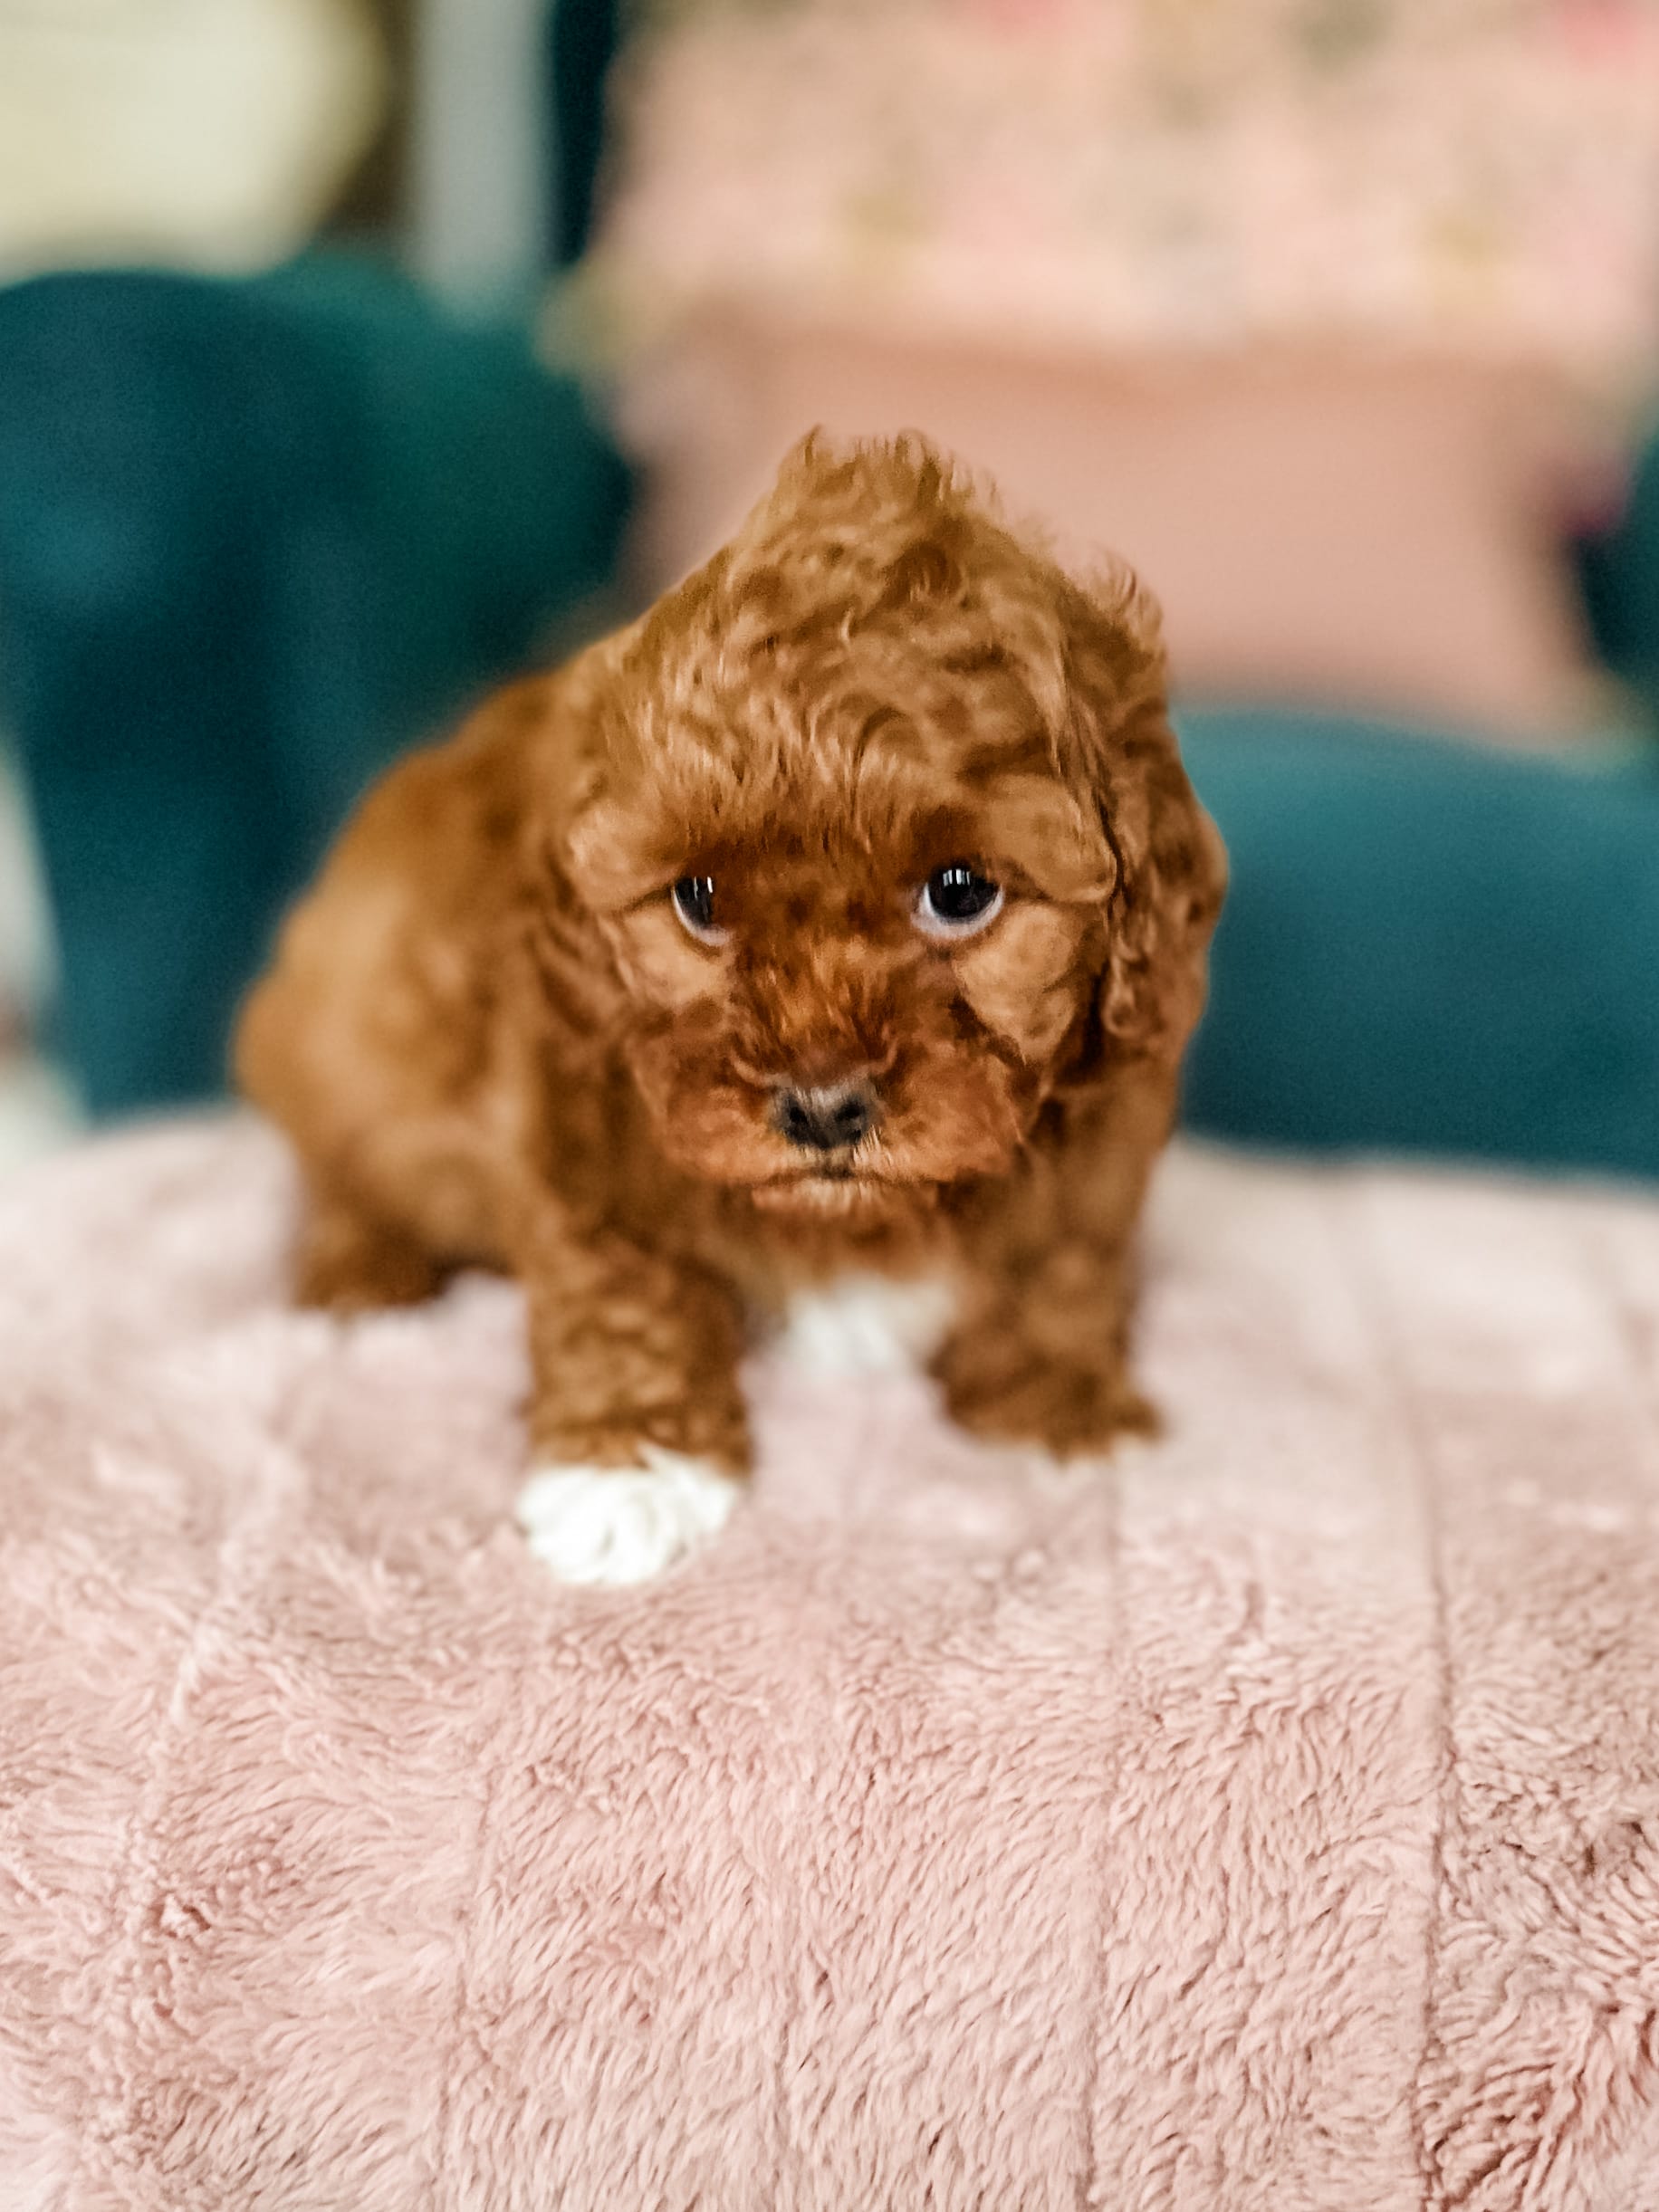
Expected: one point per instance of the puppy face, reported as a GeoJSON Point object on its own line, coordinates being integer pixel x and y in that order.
{"type": "Point", "coordinates": [848, 844]}
{"type": "Point", "coordinates": [841, 993]}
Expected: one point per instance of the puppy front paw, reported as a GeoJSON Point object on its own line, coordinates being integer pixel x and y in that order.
{"type": "Point", "coordinates": [1013, 1394]}
{"type": "Point", "coordinates": [610, 1527]}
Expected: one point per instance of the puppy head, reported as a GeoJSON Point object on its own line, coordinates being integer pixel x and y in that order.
{"type": "Point", "coordinates": [886, 835]}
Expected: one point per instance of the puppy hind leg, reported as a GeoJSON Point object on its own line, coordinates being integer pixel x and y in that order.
{"type": "Point", "coordinates": [349, 1262]}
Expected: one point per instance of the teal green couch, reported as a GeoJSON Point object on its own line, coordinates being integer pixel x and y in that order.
{"type": "Point", "coordinates": [258, 537]}
{"type": "Point", "coordinates": [1431, 947]}
{"type": "Point", "coordinates": [255, 537]}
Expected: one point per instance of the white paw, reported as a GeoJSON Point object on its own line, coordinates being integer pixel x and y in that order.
{"type": "Point", "coordinates": [613, 1525]}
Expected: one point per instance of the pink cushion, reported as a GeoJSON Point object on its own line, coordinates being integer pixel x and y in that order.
{"type": "Point", "coordinates": [1272, 1819]}
{"type": "Point", "coordinates": [1371, 533]}
{"type": "Point", "coordinates": [1473, 175]}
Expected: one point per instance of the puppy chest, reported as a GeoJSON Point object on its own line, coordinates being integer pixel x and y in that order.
{"type": "Point", "coordinates": [863, 1323]}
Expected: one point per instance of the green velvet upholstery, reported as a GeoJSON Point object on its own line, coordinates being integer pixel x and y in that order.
{"type": "Point", "coordinates": [1431, 947]}
{"type": "Point", "coordinates": [256, 537]}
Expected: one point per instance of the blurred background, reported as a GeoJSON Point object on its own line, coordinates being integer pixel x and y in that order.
{"type": "Point", "coordinates": [355, 354]}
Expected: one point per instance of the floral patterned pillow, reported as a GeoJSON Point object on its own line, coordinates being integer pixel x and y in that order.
{"type": "Point", "coordinates": [1478, 176]}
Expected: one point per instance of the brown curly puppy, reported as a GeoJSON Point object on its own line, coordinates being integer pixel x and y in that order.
{"type": "Point", "coordinates": [847, 913]}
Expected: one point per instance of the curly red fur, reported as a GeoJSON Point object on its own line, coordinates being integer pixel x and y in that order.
{"type": "Point", "coordinates": [494, 1042]}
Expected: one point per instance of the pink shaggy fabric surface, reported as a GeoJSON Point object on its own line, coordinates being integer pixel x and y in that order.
{"type": "Point", "coordinates": [1267, 1820]}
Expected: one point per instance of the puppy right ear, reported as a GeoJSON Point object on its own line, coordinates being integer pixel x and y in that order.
{"type": "Point", "coordinates": [546, 727]}
{"type": "Point", "coordinates": [566, 752]}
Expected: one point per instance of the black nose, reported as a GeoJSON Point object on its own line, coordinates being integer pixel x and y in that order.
{"type": "Point", "coordinates": [826, 1120]}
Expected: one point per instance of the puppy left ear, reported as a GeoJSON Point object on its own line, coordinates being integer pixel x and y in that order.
{"type": "Point", "coordinates": [1170, 894]}
{"type": "Point", "coordinates": [1171, 863]}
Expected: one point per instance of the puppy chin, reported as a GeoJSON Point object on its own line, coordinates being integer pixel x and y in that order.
{"type": "Point", "coordinates": [850, 1197]}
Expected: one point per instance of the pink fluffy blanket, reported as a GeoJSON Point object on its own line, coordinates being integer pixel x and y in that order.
{"type": "Point", "coordinates": [1267, 1820]}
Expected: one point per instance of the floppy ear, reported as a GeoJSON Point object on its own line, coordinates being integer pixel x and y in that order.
{"type": "Point", "coordinates": [563, 787]}
{"type": "Point", "coordinates": [1172, 866]}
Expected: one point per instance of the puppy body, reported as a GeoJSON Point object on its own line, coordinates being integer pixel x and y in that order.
{"type": "Point", "coordinates": [495, 1039]}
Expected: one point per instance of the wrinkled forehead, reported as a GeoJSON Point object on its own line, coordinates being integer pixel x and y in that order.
{"type": "Point", "coordinates": [840, 771]}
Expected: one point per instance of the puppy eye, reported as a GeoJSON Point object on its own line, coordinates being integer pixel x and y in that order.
{"type": "Point", "coordinates": [956, 901]}
{"type": "Point", "coordinates": [693, 901]}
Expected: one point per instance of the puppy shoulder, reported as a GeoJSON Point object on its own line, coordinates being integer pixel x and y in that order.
{"type": "Point", "coordinates": [437, 807]}
{"type": "Point", "coordinates": [406, 899]}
